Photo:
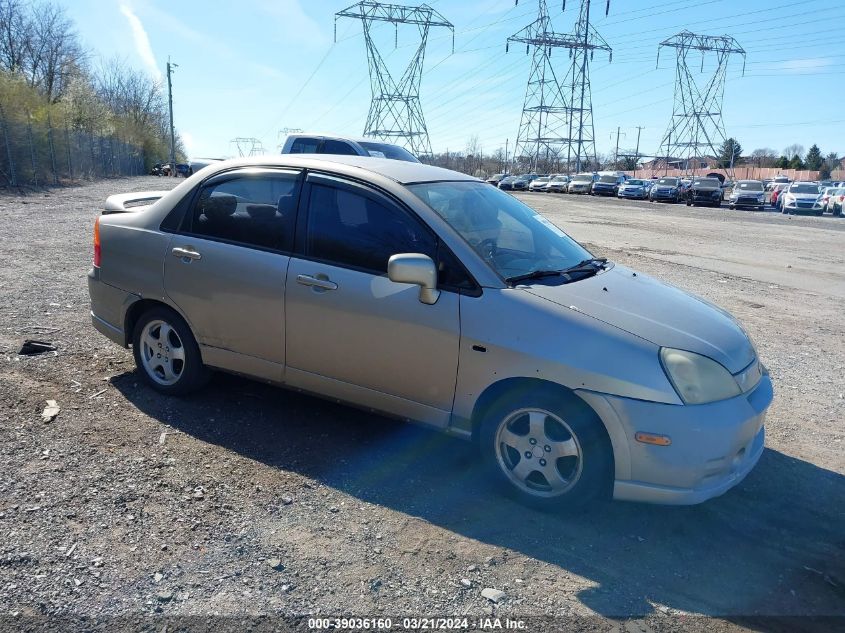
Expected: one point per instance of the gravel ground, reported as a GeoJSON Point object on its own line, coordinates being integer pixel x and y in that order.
{"type": "Point", "coordinates": [248, 500]}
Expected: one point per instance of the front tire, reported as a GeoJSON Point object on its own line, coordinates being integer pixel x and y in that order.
{"type": "Point", "coordinates": [167, 353]}
{"type": "Point", "coordinates": [546, 449]}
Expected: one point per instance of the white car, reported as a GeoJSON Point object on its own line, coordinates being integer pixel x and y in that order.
{"type": "Point", "coordinates": [802, 197]}
{"type": "Point", "coordinates": [539, 184]}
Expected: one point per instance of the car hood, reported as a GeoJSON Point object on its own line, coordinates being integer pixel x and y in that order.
{"type": "Point", "coordinates": [657, 312]}
{"type": "Point", "coordinates": [705, 188]}
{"type": "Point", "coordinates": [803, 196]}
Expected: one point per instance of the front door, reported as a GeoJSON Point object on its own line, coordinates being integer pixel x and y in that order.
{"type": "Point", "coordinates": [351, 332]}
{"type": "Point", "coordinates": [226, 268]}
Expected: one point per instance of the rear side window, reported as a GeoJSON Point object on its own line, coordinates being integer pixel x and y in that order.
{"type": "Point", "coordinates": [304, 145]}
{"type": "Point", "coordinates": [255, 210]}
{"type": "Point", "coordinates": [331, 146]}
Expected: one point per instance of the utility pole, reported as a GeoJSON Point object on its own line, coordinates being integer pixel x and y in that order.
{"type": "Point", "coordinates": [507, 140]}
{"type": "Point", "coordinates": [616, 153]}
{"type": "Point", "coordinates": [637, 151]}
{"type": "Point", "coordinates": [170, 67]}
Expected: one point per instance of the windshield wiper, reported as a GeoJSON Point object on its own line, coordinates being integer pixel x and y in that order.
{"type": "Point", "coordinates": [534, 274]}
{"type": "Point", "coordinates": [591, 266]}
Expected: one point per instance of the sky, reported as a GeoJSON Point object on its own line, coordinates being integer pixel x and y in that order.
{"type": "Point", "coordinates": [254, 67]}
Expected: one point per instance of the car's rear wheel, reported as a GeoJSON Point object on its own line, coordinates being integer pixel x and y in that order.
{"type": "Point", "coordinates": [547, 451]}
{"type": "Point", "coordinates": [167, 353]}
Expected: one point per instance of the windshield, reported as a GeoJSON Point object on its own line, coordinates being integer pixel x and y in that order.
{"type": "Point", "coordinates": [511, 237]}
{"type": "Point", "coordinates": [750, 186]}
{"type": "Point", "coordinates": [635, 182]}
{"type": "Point", "coordinates": [608, 179]}
{"type": "Point", "coordinates": [560, 179]}
{"type": "Point", "coordinates": [541, 179]}
{"type": "Point", "coordinates": [707, 182]}
{"type": "Point", "coordinates": [386, 150]}
{"type": "Point", "coordinates": [582, 178]}
{"type": "Point", "coordinates": [671, 182]}
{"type": "Point", "coordinates": [804, 189]}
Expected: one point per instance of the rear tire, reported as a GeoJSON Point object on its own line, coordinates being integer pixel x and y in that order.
{"type": "Point", "coordinates": [547, 449]}
{"type": "Point", "coordinates": [167, 353]}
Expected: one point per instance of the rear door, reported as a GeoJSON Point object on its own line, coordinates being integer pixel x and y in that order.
{"type": "Point", "coordinates": [226, 267]}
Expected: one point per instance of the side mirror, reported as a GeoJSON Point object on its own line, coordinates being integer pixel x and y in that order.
{"type": "Point", "coordinates": [415, 268]}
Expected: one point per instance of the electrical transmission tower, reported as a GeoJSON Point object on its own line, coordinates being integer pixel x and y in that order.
{"type": "Point", "coordinates": [248, 146]}
{"type": "Point", "coordinates": [697, 130]}
{"type": "Point", "coordinates": [557, 118]}
{"type": "Point", "coordinates": [395, 112]}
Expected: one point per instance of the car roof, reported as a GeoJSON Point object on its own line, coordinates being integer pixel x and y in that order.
{"type": "Point", "coordinates": [339, 137]}
{"type": "Point", "coordinates": [401, 171]}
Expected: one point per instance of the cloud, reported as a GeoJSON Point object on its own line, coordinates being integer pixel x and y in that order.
{"type": "Point", "coordinates": [807, 65]}
{"type": "Point", "coordinates": [142, 41]}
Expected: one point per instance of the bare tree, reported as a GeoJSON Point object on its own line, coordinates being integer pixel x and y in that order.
{"type": "Point", "coordinates": [795, 149]}
{"type": "Point", "coordinates": [15, 33]}
{"type": "Point", "coordinates": [764, 157]}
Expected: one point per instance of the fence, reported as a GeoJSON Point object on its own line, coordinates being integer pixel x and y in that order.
{"type": "Point", "coordinates": [40, 153]}
{"type": "Point", "coordinates": [739, 173]}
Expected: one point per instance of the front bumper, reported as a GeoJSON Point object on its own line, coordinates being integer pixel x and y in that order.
{"type": "Point", "coordinates": [632, 193]}
{"type": "Point", "coordinates": [714, 446]}
{"type": "Point", "coordinates": [747, 202]}
{"type": "Point", "coordinates": [604, 191]}
{"type": "Point", "coordinates": [579, 189]}
{"type": "Point", "coordinates": [664, 195]}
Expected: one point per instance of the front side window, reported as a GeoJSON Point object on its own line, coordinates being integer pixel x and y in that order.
{"type": "Point", "coordinates": [358, 231]}
{"type": "Point", "coordinates": [511, 237]}
{"type": "Point", "coordinates": [255, 210]}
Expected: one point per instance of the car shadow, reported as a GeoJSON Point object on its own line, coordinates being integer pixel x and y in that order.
{"type": "Point", "coordinates": [773, 545]}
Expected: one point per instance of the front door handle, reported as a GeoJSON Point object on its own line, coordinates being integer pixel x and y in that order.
{"type": "Point", "coordinates": [186, 252]}
{"type": "Point", "coordinates": [323, 284]}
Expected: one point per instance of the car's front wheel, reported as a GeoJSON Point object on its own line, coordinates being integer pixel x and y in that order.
{"type": "Point", "coordinates": [549, 452]}
{"type": "Point", "coordinates": [167, 353]}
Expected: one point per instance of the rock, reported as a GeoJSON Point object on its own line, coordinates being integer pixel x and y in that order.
{"type": "Point", "coordinates": [199, 494]}
{"type": "Point", "coordinates": [490, 561]}
{"type": "Point", "coordinates": [375, 584]}
{"type": "Point", "coordinates": [466, 582]}
{"type": "Point", "coordinates": [334, 510]}
{"type": "Point", "coordinates": [472, 568]}
{"type": "Point", "coordinates": [158, 576]}
{"type": "Point", "coordinates": [50, 411]}
{"type": "Point", "coordinates": [286, 500]}
{"type": "Point", "coordinates": [164, 596]}
{"type": "Point", "coordinates": [275, 563]}
{"type": "Point", "coordinates": [493, 595]}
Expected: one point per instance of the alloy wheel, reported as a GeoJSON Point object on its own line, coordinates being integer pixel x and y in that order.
{"type": "Point", "coordinates": [162, 352]}
{"type": "Point", "coordinates": [538, 452]}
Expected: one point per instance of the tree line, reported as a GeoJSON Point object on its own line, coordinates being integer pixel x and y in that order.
{"type": "Point", "coordinates": [51, 89]}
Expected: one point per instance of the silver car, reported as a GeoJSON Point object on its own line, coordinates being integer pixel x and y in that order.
{"type": "Point", "coordinates": [430, 296]}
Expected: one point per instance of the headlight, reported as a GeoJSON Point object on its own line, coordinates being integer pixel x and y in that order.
{"type": "Point", "coordinates": [789, 201]}
{"type": "Point", "coordinates": [696, 378]}
{"type": "Point", "coordinates": [761, 197]}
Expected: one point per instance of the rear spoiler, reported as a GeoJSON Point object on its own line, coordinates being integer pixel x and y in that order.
{"type": "Point", "coordinates": [126, 202]}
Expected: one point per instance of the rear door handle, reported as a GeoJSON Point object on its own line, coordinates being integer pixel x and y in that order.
{"type": "Point", "coordinates": [186, 252]}
{"type": "Point", "coordinates": [323, 284]}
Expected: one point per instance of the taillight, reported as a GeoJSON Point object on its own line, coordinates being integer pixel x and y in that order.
{"type": "Point", "coordinates": [97, 242]}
